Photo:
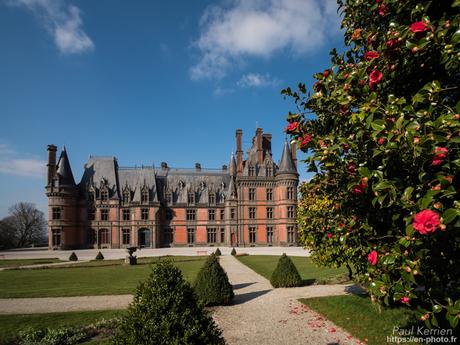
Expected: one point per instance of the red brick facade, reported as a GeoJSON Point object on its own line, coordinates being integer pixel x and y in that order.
{"type": "Point", "coordinates": [252, 202]}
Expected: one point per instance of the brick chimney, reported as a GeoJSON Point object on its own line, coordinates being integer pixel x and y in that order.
{"type": "Point", "coordinates": [267, 143]}
{"type": "Point", "coordinates": [51, 163]}
{"type": "Point", "coordinates": [260, 152]}
{"type": "Point", "coordinates": [239, 151]}
{"type": "Point", "coordinates": [164, 166]}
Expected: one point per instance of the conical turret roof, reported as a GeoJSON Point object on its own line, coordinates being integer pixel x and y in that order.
{"type": "Point", "coordinates": [287, 164]}
{"type": "Point", "coordinates": [64, 171]}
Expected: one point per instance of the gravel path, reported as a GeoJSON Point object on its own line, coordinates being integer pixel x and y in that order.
{"type": "Point", "coordinates": [263, 315]}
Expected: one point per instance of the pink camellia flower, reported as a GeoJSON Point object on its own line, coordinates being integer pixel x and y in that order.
{"type": "Point", "coordinates": [382, 9]}
{"type": "Point", "coordinates": [418, 27]}
{"type": "Point", "coordinates": [426, 222]}
{"type": "Point", "coordinates": [440, 155]}
{"type": "Point", "coordinates": [375, 77]}
{"type": "Point", "coordinates": [381, 141]}
{"type": "Point", "coordinates": [306, 139]}
{"type": "Point", "coordinates": [404, 300]}
{"type": "Point", "coordinates": [392, 43]}
{"type": "Point", "coordinates": [292, 127]}
{"type": "Point", "coordinates": [358, 189]}
{"type": "Point", "coordinates": [373, 258]}
{"type": "Point", "coordinates": [351, 168]}
{"type": "Point", "coordinates": [329, 235]}
{"type": "Point", "coordinates": [371, 55]}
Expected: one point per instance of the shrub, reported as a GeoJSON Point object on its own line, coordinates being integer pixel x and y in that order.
{"type": "Point", "coordinates": [285, 274]}
{"type": "Point", "coordinates": [384, 144]}
{"type": "Point", "coordinates": [99, 256]}
{"type": "Point", "coordinates": [211, 285]}
{"type": "Point", "coordinates": [218, 252]}
{"type": "Point", "coordinates": [165, 311]}
{"type": "Point", "coordinates": [49, 336]}
{"type": "Point", "coordinates": [73, 257]}
{"type": "Point", "coordinates": [233, 251]}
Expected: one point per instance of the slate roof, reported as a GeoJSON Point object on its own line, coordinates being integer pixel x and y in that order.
{"type": "Point", "coordinates": [287, 165]}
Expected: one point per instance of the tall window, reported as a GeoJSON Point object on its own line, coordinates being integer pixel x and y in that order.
{"type": "Point", "coordinates": [290, 193]}
{"type": "Point", "coordinates": [211, 232]}
{"type": "Point", "coordinates": [144, 213]}
{"type": "Point", "coordinates": [190, 235]}
{"type": "Point", "coordinates": [126, 197]}
{"type": "Point", "coordinates": [191, 214]}
{"type": "Point", "coordinates": [291, 234]}
{"type": "Point", "coordinates": [269, 194]}
{"type": "Point", "coordinates": [126, 214]}
{"type": "Point", "coordinates": [269, 212]}
{"type": "Point", "coordinates": [91, 214]}
{"type": "Point", "coordinates": [211, 214]}
{"type": "Point", "coordinates": [232, 213]}
{"type": "Point", "coordinates": [56, 237]}
{"type": "Point", "coordinates": [222, 214]}
{"type": "Point", "coordinates": [104, 194]}
{"type": "Point", "coordinates": [56, 213]}
{"type": "Point", "coordinates": [222, 235]}
{"type": "Point", "coordinates": [268, 171]}
{"type": "Point", "coordinates": [145, 195]}
{"type": "Point", "coordinates": [290, 212]}
{"type": "Point", "coordinates": [251, 171]}
{"type": "Point", "coordinates": [252, 194]}
{"type": "Point", "coordinates": [191, 198]}
{"type": "Point", "coordinates": [252, 212]}
{"type": "Point", "coordinates": [126, 236]}
{"type": "Point", "coordinates": [269, 234]}
{"type": "Point", "coordinates": [104, 214]}
{"type": "Point", "coordinates": [104, 236]}
{"type": "Point", "coordinates": [212, 198]}
{"type": "Point", "coordinates": [252, 234]}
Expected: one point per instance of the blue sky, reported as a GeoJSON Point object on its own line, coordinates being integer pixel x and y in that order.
{"type": "Point", "coordinates": [149, 81]}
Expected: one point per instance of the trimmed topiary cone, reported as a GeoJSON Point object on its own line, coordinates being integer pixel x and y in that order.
{"type": "Point", "coordinates": [165, 310]}
{"type": "Point", "coordinates": [218, 252]}
{"type": "Point", "coordinates": [233, 251]}
{"type": "Point", "coordinates": [99, 256]}
{"type": "Point", "coordinates": [285, 274]}
{"type": "Point", "coordinates": [73, 257]}
{"type": "Point", "coordinates": [211, 285]}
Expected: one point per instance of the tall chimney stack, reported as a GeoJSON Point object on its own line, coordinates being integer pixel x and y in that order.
{"type": "Point", "coordinates": [294, 152]}
{"type": "Point", "coordinates": [239, 151]}
{"type": "Point", "coordinates": [260, 152]}
{"type": "Point", "coordinates": [51, 163]}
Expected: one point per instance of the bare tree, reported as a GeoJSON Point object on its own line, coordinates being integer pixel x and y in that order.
{"type": "Point", "coordinates": [7, 235]}
{"type": "Point", "coordinates": [24, 226]}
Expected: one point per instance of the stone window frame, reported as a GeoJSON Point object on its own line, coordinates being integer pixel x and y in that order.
{"type": "Point", "coordinates": [252, 194]}
{"type": "Point", "coordinates": [191, 235]}
{"type": "Point", "coordinates": [291, 234]}
{"type": "Point", "coordinates": [232, 213]}
{"type": "Point", "coordinates": [211, 235]}
{"type": "Point", "coordinates": [91, 214]}
{"type": "Point", "coordinates": [56, 237]}
{"type": "Point", "coordinates": [104, 236]}
{"type": "Point", "coordinates": [191, 198]}
{"type": "Point", "coordinates": [211, 214]}
{"type": "Point", "coordinates": [252, 212]}
{"type": "Point", "coordinates": [126, 214]}
{"type": "Point", "coordinates": [144, 214]}
{"type": "Point", "coordinates": [270, 234]}
{"type": "Point", "coordinates": [145, 195]}
{"type": "Point", "coordinates": [291, 212]}
{"type": "Point", "coordinates": [126, 236]}
{"type": "Point", "coordinates": [222, 214]}
{"type": "Point", "coordinates": [252, 234]}
{"type": "Point", "coordinates": [190, 215]}
{"type": "Point", "coordinates": [251, 171]}
{"type": "Point", "coordinates": [212, 198]}
{"type": "Point", "coordinates": [269, 194]}
{"type": "Point", "coordinates": [270, 213]}
{"type": "Point", "coordinates": [290, 193]}
{"type": "Point", "coordinates": [104, 214]}
{"type": "Point", "coordinates": [56, 213]}
{"type": "Point", "coordinates": [222, 235]}
{"type": "Point", "coordinates": [104, 193]}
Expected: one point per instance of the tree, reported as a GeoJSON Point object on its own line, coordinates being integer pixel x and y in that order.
{"type": "Point", "coordinates": [285, 274]}
{"type": "Point", "coordinates": [211, 284]}
{"type": "Point", "coordinates": [382, 131]}
{"type": "Point", "coordinates": [165, 311]}
{"type": "Point", "coordinates": [24, 226]}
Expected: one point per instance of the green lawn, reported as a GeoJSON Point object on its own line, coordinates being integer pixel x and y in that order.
{"type": "Point", "coordinates": [25, 262]}
{"type": "Point", "coordinates": [94, 278]}
{"type": "Point", "coordinates": [11, 325]}
{"type": "Point", "coordinates": [310, 273]}
{"type": "Point", "coordinates": [359, 317]}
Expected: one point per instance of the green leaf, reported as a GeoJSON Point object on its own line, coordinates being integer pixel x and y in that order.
{"type": "Point", "coordinates": [453, 320]}
{"type": "Point", "coordinates": [449, 215]}
{"type": "Point", "coordinates": [437, 308]}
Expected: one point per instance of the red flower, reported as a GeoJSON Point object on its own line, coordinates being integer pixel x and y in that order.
{"type": "Point", "coordinates": [392, 43]}
{"type": "Point", "coordinates": [329, 235]}
{"type": "Point", "coordinates": [426, 222]}
{"type": "Point", "coordinates": [382, 9]}
{"type": "Point", "coordinates": [358, 189]}
{"type": "Point", "coordinates": [371, 55]}
{"type": "Point", "coordinates": [373, 258]}
{"type": "Point", "coordinates": [351, 168]}
{"type": "Point", "coordinates": [375, 77]}
{"type": "Point", "coordinates": [440, 155]}
{"type": "Point", "coordinates": [381, 141]}
{"type": "Point", "coordinates": [346, 147]}
{"type": "Point", "coordinates": [404, 300]}
{"type": "Point", "coordinates": [343, 109]}
{"type": "Point", "coordinates": [292, 127]}
{"type": "Point", "coordinates": [418, 27]}
{"type": "Point", "coordinates": [305, 141]}
{"type": "Point", "coordinates": [326, 73]}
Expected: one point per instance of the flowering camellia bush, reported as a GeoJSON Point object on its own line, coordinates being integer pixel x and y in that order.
{"type": "Point", "coordinates": [381, 130]}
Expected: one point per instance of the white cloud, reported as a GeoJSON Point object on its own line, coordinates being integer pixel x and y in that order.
{"type": "Point", "coordinates": [261, 28]}
{"type": "Point", "coordinates": [13, 163]}
{"type": "Point", "coordinates": [62, 21]}
{"type": "Point", "coordinates": [222, 91]}
{"type": "Point", "coordinates": [257, 80]}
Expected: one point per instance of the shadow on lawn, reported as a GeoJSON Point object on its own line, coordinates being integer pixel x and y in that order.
{"type": "Point", "coordinates": [246, 297]}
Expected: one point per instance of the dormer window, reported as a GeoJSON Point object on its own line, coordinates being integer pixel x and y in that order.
{"type": "Point", "coordinates": [145, 195]}
{"type": "Point", "coordinates": [191, 197]}
{"type": "Point", "coordinates": [212, 198]}
{"type": "Point", "coordinates": [104, 194]}
{"type": "Point", "coordinates": [126, 197]}
{"type": "Point", "coordinates": [251, 171]}
{"type": "Point", "coordinates": [268, 171]}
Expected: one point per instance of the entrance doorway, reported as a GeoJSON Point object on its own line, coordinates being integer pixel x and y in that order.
{"type": "Point", "coordinates": [144, 238]}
